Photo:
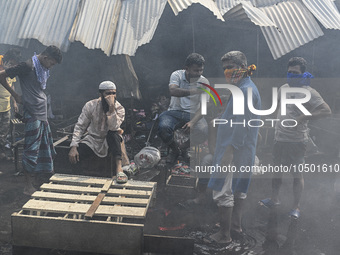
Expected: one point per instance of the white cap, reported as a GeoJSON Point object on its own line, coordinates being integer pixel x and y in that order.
{"type": "Point", "coordinates": [107, 85]}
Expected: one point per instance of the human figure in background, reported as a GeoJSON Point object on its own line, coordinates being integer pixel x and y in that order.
{"type": "Point", "coordinates": [38, 148]}
{"type": "Point", "coordinates": [290, 141]}
{"type": "Point", "coordinates": [101, 119]}
{"type": "Point", "coordinates": [184, 110]}
{"type": "Point", "coordinates": [234, 144]}
{"type": "Point", "coordinates": [11, 58]}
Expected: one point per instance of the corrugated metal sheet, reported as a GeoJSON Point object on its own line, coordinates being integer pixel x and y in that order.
{"type": "Point", "coordinates": [325, 11]}
{"type": "Point", "coordinates": [179, 5]}
{"type": "Point", "coordinates": [11, 14]}
{"type": "Point", "coordinates": [49, 22]}
{"type": "Point", "coordinates": [246, 12]}
{"type": "Point", "coordinates": [266, 3]}
{"type": "Point", "coordinates": [137, 24]}
{"type": "Point", "coordinates": [297, 26]}
{"type": "Point", "coordinates": [225, 5]}
{"type": "Point", "coordinates": [95, 24]}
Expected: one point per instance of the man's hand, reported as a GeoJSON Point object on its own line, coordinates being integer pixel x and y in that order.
{"type": "Point", "coordinates": [187, 126]}
{"type": "Point", "coordinates": [110, 99]}
{"type": "Point", "coordinates": [73, 155]}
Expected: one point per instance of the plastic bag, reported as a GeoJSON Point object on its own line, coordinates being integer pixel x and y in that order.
{"type": "Point", "coordinates": [148, 157]}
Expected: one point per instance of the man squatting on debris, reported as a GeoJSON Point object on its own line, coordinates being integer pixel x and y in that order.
{"type": "Point", "coordinates": [290, 142]}
{"type": "Point", "coordinates": [38, 147]}
{"type": "Point", "coordinates": [184, 109]}
{"type": "Point", "coordinates": [101, 118]}
{"type": "Point", "coordinates": [11, 58]}
{"type": "Point", "coordinates": [237, 144]}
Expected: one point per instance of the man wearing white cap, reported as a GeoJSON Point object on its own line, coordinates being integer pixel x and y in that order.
{"type": "Point", "coordinates": [101, 119]}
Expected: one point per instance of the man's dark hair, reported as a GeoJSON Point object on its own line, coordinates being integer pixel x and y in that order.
{"type": "Point", "coordinates": [194, 59]}
{"type": "Point", "coordinates": [237, 57]}
{"type": "Point", "coordinates": [12, 54]}
{"type": "Point", "coordinates": [298, 61]}
{"type": "Point", "coordinates": [53, 52]}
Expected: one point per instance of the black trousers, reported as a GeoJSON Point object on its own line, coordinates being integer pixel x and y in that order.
{"type": "Point", "coordinates": [113, 140]}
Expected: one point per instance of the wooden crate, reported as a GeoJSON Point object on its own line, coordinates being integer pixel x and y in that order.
{"type": "Point", "coordinates": [54, 217]}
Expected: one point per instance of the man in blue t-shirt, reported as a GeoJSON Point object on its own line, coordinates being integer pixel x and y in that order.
{"type": "Point", "coordinates": [33, 74]}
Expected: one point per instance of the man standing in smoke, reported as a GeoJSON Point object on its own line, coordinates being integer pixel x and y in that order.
{"type": "Point", "coordinates": [290, 141]}
{"type": "Point", "coordinates": [101, 119]}
{"type": "Point", "coordinates": [33, 74]}
{"type": "Point", "coordinates": [237, 144]}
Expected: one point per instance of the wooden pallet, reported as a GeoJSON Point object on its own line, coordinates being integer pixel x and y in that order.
{"type": "Point", "coordinates": [54, 217]}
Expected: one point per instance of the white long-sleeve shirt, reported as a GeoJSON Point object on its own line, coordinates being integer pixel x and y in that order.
{"type": "Point", "coordinates": [97, 124]}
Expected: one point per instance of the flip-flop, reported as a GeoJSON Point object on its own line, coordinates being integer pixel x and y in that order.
{"type": "Point", "coordinates": [295, 214]}
{"type": "Point", "coordinates": [121, 178]}
{"type": "Point", "coordinates": [268, 203]}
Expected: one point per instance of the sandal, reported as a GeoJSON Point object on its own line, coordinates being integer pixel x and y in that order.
{"type": "Point", "coordinates": [121, 178]}
{"type": "Point", "coordinates": [268, 203]}
{"type": "Point", "coordinates": [295, 214]}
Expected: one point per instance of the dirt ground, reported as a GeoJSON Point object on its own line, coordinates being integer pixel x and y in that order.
{"type": "Point", "coordinates": [268, 231]}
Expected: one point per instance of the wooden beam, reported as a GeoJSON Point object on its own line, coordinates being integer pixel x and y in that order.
{"type": "Point", "coordinates": [87, 180]}
{"type": "Point", "coordinates": [63, 197]}
{"type": "Point", "coordinates": [92, 190]}
{"type": "Point", "coordinates": [63, 139]}
{"type": "Point", "coordinates": [103, 210]}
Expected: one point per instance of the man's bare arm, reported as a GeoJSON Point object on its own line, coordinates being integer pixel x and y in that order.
{"type": "Point", "coordinates": [175, 91]}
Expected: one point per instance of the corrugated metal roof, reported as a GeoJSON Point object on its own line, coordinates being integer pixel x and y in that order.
{"type": "Point", "coordinates": [226, 5]}
{"type": "Point", "coordinates": [11, 14]}
{"type": "Point", "coordinates": [49, 22]}
{"type": "Point", "coordinates": [137, 24]}
{"type": "Point", "coordinates": [325, 11]}
{"type": "Point", "coordinates": [245, 12]}
{"type": "Point", "coordinates": [266, 3]}
{"type": "Point", "coordinates": [179, 5]}
{"type": "Point", "coordinates": [297, 26]}
{"type": "Point", "coordinates": [95, 24]}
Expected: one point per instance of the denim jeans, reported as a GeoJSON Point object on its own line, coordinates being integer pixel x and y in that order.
{"type": "Point", "coordinates": [169, 121]}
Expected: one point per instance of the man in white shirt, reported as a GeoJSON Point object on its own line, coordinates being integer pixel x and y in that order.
{"type": "Point", "coordinates": [101, 119]}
